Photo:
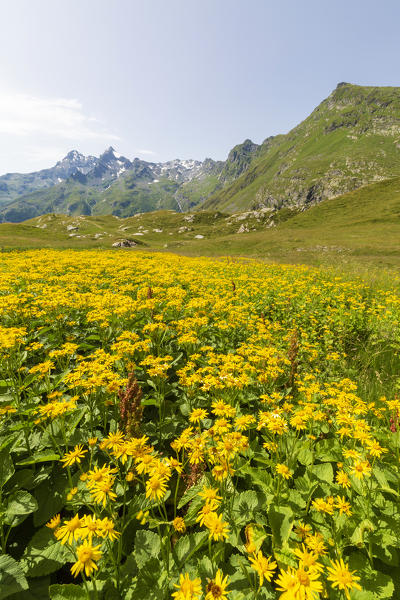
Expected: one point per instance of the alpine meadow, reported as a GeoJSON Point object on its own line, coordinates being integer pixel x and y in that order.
{"type": "Point", "coordinates": [199, 356]}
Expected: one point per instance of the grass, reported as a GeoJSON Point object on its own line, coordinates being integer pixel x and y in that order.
{"type": "Point", "coordinates": [359, 230]}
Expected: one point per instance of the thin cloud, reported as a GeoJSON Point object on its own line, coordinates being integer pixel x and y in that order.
{"type": "Point", "coordinates": [64, 118]}
{"type": "Point", "coordinates": [148, 152]}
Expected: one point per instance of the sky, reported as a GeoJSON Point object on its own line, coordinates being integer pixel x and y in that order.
{"type": "Point", "coordinates": [164, 79]}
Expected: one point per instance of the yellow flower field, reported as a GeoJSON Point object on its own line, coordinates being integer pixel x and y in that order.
{"type": "Point", "coordinates": [191, 428]}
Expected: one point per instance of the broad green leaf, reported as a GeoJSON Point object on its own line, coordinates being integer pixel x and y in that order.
{"type": "Point", "coordinates": [188, 545]}
{"type": "Point", "coordinates": [6, 467]}
{"type": "Point", "coordinates": [21, 479]}
{"type": "Point", "coordinates": [375, 584]}
{"type": "Point", "coordinates": [205, 568]}
{"type": "Point", "coordinates": [20, 503]}
{"type": "Point", "coordinates": [67, 591]}
{"type": "Point", "coordinates": [44, 554]}
{"type": "Point", "coordinates": [261, 478]}
{"type": "Point", "coordinates": [12, 578]}
{"type": "Point", "coordinates": [363, 527]}
{"type": "Point", "coordinates": [39, 457]}
{"type": "Point", "coordinates": [147, 545]}
{"type": "Point", "coordinates": [305, 456]}
{"type": "Point", "coordinates": [38, 589]}
{"type": "Point", "coordinates": [151, 582]}
{"type": "Point", "coordinates": [73, 420]}
{"type": "Point", "coordinates": [281, 520]}
{"type": "Point", "coordinates": [323, 472]}
{"type": "Point", "coordinates": [245, 505]}
{"type": "Point", "coordinates": [191, 493]}
{"type": "Point", "coordinates": [50, 496]}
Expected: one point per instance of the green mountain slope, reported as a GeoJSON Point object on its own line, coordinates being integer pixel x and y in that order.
{"type": "Point", "coordinates": [351, 139]}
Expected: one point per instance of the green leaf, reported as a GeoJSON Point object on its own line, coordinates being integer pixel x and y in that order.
{"type": "Point", "coordinates": [245, 505]}
{"type": "Point", "coordinates": [67, 591]}
{"type": "Point", "coordinates": [323, 472]}
{"type": "Point", "coordinates": [50, 496]}
{"type": "Point", "coordinates": [39, 457]}
{"type": "Point", "coordinates": [375, 584]}
{"type": "Point", "coordinates": [21, 479]}
{"type": "Point", "coordinates": [73, 420]}
{"type": "Point", "coordinates": [12, 578]}
{"type": "Point", "coordinates": [38, 589]}
{"type": "Point", "coordinates": [205, 568]}
{"type": "Point", "coordinates": [191, 493]}
{"type": "Point", "coordinates": [305, 456]}
{"type": "Point", "coordinates": [364, 526]}
{"type": "Point", "coordinates": [151, 582]}
{"type": "Point", "coordinates": [281, 520]}
{"type": "Point", "coordinates": [261, 478]}
{"type": "Point", "coordinates": [19, 503]}
{"type": "Point", "coordinates": [187, 544]}
{"type": "Point", "coordinates": [6, 467]}
{"type": "Point", "coordinates": [44, 554]}
{"type": "Point", "coordinates": [147, 545]}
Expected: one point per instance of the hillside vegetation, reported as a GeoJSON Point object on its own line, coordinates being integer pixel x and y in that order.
{"type": "Point", "coordinates": [361, 226]}
{"type": "Point", "coordinates": [351, 139]}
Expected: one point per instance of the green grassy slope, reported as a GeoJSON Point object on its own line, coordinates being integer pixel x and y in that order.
{"type": "Point", "coordinates": [361, 226]}
{"type": "Point", "coordinates": [351, 139]}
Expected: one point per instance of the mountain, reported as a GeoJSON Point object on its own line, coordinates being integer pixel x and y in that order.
{"type": "Point", "coordinates": [351, 139]}
{"type": "Point", "coordinates": [13, 185]}
{"type": "Point", "coordinates": [112, 184]}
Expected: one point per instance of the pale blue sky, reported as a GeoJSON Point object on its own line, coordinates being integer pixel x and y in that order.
{"type": "Point", "coordinates": [164, 79]}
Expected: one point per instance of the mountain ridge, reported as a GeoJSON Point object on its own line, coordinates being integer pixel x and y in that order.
{"type": "Point", "coordinates": [351, 139]}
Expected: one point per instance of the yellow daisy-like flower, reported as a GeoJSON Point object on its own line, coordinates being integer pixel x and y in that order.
{"type": "Point", "coordinates": [218, 529]}
{"type": "Point", "coordinates": [106, 528]}
{"type": "Point", "coordinates": [102, 491]}
{"type": "Point", "coordinates": [209, 493]}
{"type": "Point", "coordinates": [264, 566]}
{"type": "Point", "coordinates": [302, 529]}
{"type": "Point", "coordinates": [316, 543]}
{"type": "Point", "coordinates": [179, 525]}
{"type": "Point", "coordinates": [197, 415]}
{"type": "Point", "coordinates": [343, 505]}
{"type": "Point", "coordinates": [73, 456]}
{"type": "Point", "coordinates": [209, 507]}
{"type": "Point", "coordinates": [54, 522]}
{"type": "Point", "coordinates": [156, 487]}
{"type": "Point", "coordinates": [283, 470]}
{"type": "Point", "coordinates": [288, 583]}
{"type": "Point", "coordinates": [343, 479]}
{"type": "Point", "coordinates": [216, 588]}
{"type": "Point", "coordinates": [90, 527]}
{"type": "Point", "coordinates": [112, 441]}
{"type": "Point", "coordinates": [361, 468]}
{"type": "Point", "coordinates": [99, 475]}
{"type": "Point", "coordinates": [188, 589]}
{"type": "Point", "coordinates": [309, 584]}
{"type": "Point", "coordinates": [69, 531]}
{"type": "Point", "coordinates": [342, 577]}
{"type": "Point", "coordinates": [144, 464]}
{"type": "Point", "coordinates": [87, 555]}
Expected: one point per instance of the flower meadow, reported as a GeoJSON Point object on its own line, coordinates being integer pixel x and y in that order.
{"type": "Point", "coordinates": [188, 428]}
